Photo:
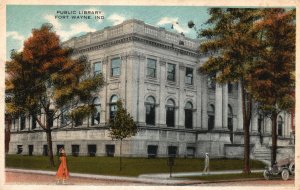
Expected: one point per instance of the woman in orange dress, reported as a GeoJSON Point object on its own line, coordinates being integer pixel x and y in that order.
{"type": "Point", "coordinates": [62, 172]}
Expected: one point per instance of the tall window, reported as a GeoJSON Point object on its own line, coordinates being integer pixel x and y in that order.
{"type": "Point", "coordinates": [230, 87]}
{"type": "Point", "coordinates": [150, 111]}
{"type": "Point", "coordinates": [189, 76]}
{"type": "Point", "coordinates": [211, 84]}
{"type": "Point", "coordinates": [171, 72]}
{"type": "Point", "coordinates": [33, 121]}
{"type": "Point", "coordinates": [50, 118]}
{"type": "Point", "coordinates": [113, 106]}
{"type": "Point", "coordinates": [64, 116]}
{"type": "Point", "coordinates": [151, 68]}
{"type": "Point", "coordinates": [280, 126]}
{"type": "Point", "coordinates": [97, 68]}
{"type": "Point", "coordinates": [170, 115]}
{"type": "Point", "coordinates": [22, 122]}
{"type": "Point", "coordinates": [230, 122]}
{"type": "Point", "coordinates": [188, 115]}
{"type": "Point", "coordinates": [96, 114]}
{"type": "Point", "coordinates": [115, 67]}
{"type": "Point", "coordinates": [211, 117]}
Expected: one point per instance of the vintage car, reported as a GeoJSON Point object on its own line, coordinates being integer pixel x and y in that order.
{"type": "Point", "coordinates": [284, 167]}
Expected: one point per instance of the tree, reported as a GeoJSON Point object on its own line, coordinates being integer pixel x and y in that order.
{"type": "Point", "coordinates": [232, 42]}
{"type": "Point", "coordinates": [122, 126]}
{"type": "Point", "coordinates": [44, 79]}
{"type": "Point", "coordinates": [272, 74]}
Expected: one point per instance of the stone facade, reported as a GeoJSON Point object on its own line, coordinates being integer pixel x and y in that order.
{"type": "Point", "coordinates": [139, 61]}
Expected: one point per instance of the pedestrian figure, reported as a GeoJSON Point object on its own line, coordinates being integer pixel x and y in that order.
{"type": "Point", "coordinates": [206, 164]}
{"type": "Point", "coordinates": [62, 172]}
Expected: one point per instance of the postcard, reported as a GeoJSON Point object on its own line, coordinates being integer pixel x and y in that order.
{"type": "Point", "coordinates": [156, 94]}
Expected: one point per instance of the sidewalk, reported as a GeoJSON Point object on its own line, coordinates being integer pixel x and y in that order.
{"type": "Point", "coordinates": [153, 179]}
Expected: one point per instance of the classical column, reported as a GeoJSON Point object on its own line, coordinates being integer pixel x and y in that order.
{"type": "Point", "coordinates": [218, 106]}
{"type": "Point", "coordinates": [197, 116]}
{"type": "Point", "coordinates": [162, 103]}
{"type": "Point", "coordinates": [240, 109]}
{"type": "Point", "coordinates": [141, 93]}
{"type": "Point", "coordinates": [105, 99]}
{"type": "Point", "coordinates": [181, 115]}
{"type": "Point", "coordinates": [225, 106]}
{"type": "Point", "coordinates": [254, 119]}
{"type": "Point", "coordinates": [203, 91]}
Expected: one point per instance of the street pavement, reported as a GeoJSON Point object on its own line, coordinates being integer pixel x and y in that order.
{"type": "Point", "coordinates": [21, 176]}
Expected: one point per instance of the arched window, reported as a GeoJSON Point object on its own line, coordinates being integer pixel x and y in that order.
{"type": "Point", "coordinates": [150, 110]}
{"type": "Point", "coordinates": [113, 106]}
{"type": "Point", "coordinates": [230, 122]}
{"type": "Point", "coordinates": [211, 117]}
{"type": "Point", "coordinates": [96, 114]}
{"type": "Point", "coordinates": [279, 126]}
{"type": "Point", "coordinates": [188, 109]}
{"type": "Point", "coordinates": [170, 113]}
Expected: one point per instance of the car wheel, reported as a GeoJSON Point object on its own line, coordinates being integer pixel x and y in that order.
{"type": "Point", "coordinates": [267, 175]}
{"type": "Point", "coordinates": [285, 174]}
{"type": "Point", "coordinates": [292, 168]}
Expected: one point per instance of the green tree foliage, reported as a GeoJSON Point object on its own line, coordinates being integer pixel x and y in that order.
{"type": "Point", "coordinates": [230, 46]}
{"type": "Point", "coordinates": [43, 78]}
{"type": "Point", "coordinates": [122, 126]}
{"type": "Point", "coordinates": [272, 73]}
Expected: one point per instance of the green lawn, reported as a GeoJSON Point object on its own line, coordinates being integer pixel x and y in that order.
{"type": "Point", "coordinates": [131, 166]}
{"type": "Point", "coordinates": [225, 177]}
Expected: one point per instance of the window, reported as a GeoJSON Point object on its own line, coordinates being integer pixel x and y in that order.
{"type": "Point", "coordinates": [152, 151]}
{"type": "Point", "coordinates": [230, 122]}
{"type": "Point", "coordinates": [64, 116]}
{"type": "Point", "coordinates": [189, 76]}
{"type": "Point", "coordinates": [211, 84]}
{"type": "Point", "coordinates": [45, 150]}
{"type": "Point", "coordinates": [50, 118]}
{"type": "Point", "coordinates": [211, 117]}
{"type": "Point", "coordinates": [33, 121]}
{"type": "Point", "coordinates": [172, 151]}
{"type": "Point", "coordinates": [96, 114]}
{"type": "Point", "coordinates": [188, 115]}
{"type": "Point", "coordinates": [279, 126]}
{"type": "Point", "coordinates": [171, 72]}
{"type": "Point", "coordinates": [110, 150]}
{"type": "Point", "coordinates": [92, 149]}
{"type": "Point", "coordinates": [30, 150]}
{"type": "Point", "coordinates": [78, 121]}
{"type": "Point", "coordinates": [97, 68]}
{"type": "Point", "coordinates": [190, 152]}
{"type": "Point", "coordinates": [19, 149]}
{"type": "Point", "coordinates": [113, 106]}
{"type": "Point", "coordinates": [230, 87]}
{"type": "Point", "coordinates": [115, 67]}
{"type": "Point", "coordinates": [151, 68]}
{"type": "Point", "coordinates": [150, 111]}
{"type": "Point", "coordinates": [22, 122]}
{"type": "Point", "coordinates": [75, 150]}
{"type": "Point", "coordinates": [170, 115]}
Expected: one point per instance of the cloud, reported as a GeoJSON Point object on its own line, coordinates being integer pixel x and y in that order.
{"type": "Point", "coordinates": [74, 28]}
{"type": "Point", "coordinates": [16, 36]}
{"type": "Point", "coordinates": [174, 22]}
{"type": "Point", "coordinates": [116, 19]}
{"type": "Point", "coordinates": [167, 20]}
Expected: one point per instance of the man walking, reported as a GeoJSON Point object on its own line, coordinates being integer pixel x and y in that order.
{"type": "Point", "coordinates": [206, 164]}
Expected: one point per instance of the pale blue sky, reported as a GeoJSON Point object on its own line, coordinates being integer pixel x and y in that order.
{"type": "Point", "coordinates": [22, 18]}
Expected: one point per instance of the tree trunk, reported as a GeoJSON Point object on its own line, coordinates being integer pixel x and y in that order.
{"type": "Point", "coordinates": [121, 155]}
{"type": "Point", "coordinates": [50, 150]}
{"type": "Point", "coordinates": [246, 105]}
{"type": "Point", "coordinates": [274, 137]}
